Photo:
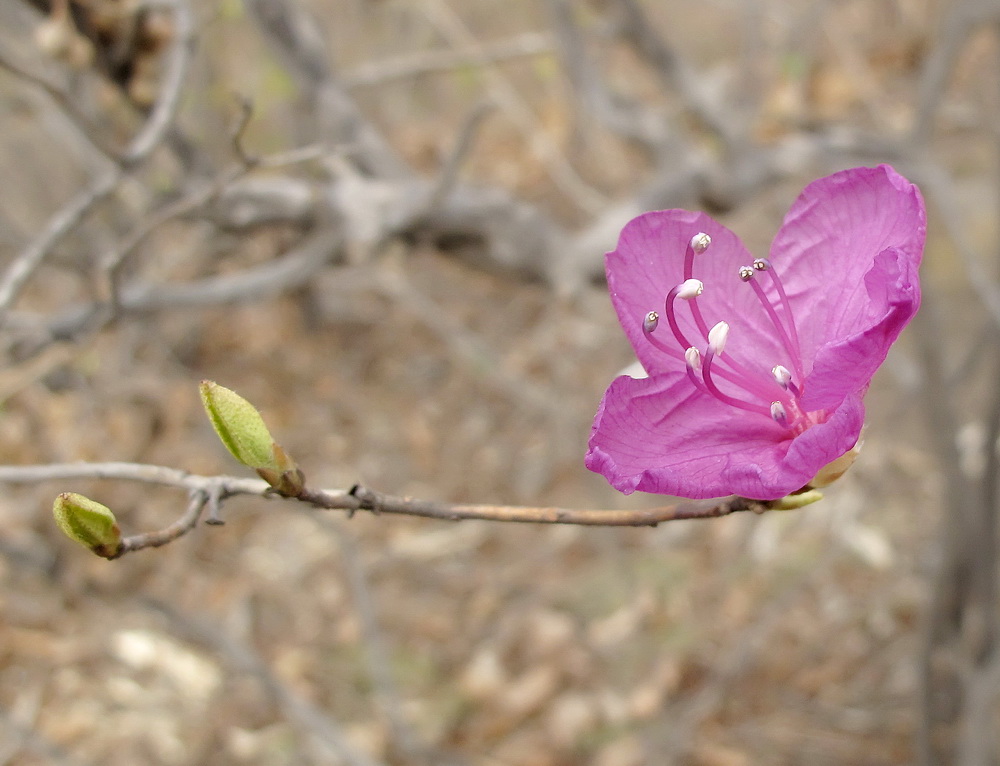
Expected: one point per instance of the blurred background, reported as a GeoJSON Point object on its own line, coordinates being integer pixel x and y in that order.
{"type": "Point", "coordinates": [384, 224]}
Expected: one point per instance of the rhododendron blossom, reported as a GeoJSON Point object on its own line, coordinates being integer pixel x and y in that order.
{"type": "Point", "coordinates": [756, 367]}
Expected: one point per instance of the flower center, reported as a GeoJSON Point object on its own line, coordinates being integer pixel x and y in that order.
{"type": "Point", "coordinates": [774, 388]}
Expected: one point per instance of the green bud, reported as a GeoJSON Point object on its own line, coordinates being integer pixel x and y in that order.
{"type": "Point", "coordinates": [798, 500]}
{"type": "Point", "coordinates": [88, 523]}
{"type": "Point", "coordinates": [243, 432]}
{"type": "Point", "coordinates": [239, 425]}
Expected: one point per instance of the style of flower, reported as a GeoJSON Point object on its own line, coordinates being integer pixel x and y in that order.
{"type": "Point", "coordinates": [756, 367]}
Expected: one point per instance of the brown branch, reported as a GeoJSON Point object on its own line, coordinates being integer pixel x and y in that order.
{"type": "Point", "coordinates": [168, 534]}
{"type": "Point", "coordinates": [361, 498]}
{"type": "Point", "coordinates": [213, 490]}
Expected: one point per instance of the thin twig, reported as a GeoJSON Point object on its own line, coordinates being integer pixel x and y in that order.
{"type": "Point", "coordinates": [376, 652]}
{"type": "Point", "coordinates": [149, 136]}
{"type": "Point", "coordinates": [545, 149]}
{"type": "Point", "coordinates": [448, 175]}
{"type": "Point", "coordinates": [428, 62]}
{"type": "Point", "coordinates": [597, 101]}
{"type": "Point", "coordinates": [360, 498]}
{"type": "Point", "coordinates": [675, 72]}
{"type": "Point", "coordinates": [168, 534]}
{"type": "Point", "coordinates": [65, 103]}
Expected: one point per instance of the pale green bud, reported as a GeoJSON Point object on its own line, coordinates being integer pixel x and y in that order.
{"type": "Point", "coordinates": [239, 426]}
{"type": "Point", "coordinates": [88, 523]}
{"type": "Point", "coordinates": [243, 432]}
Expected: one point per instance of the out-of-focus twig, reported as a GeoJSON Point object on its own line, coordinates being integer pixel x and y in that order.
{"type": "Point", "coordinates": [624, 118]}
{"type": "Point", "coordinates": [153, 131]}
{"type": "Point", "coordinates": [295, 35]}
{"type": "Point", "coordinates": [65, 103]}
{"type": "Point", "coordinates": [562, 173]}
{"type": "Point", "coordinates": [298, 710]}
{"type": "Point", "coordinates": [675, 72]}
{"type": "Point", "coordinates": [375, 650]}
{"type": "Point", "coordinates": [960, 19]}
{"type": "Point", "coordinates": [426, 62]}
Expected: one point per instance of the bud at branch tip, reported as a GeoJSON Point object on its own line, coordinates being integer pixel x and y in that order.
{"type": "Point", "coordinates": [88, 523]}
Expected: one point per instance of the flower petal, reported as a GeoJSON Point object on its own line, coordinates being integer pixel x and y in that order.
{"type": "Point", "coordinates": [847, 365]}
{"type": "Point", "coordinates": [663, 436]}
{"type": "Point", "coordinates": [829, 241]}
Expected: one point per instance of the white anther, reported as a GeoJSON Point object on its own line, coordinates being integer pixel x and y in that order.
{"type": "Point", "coordinates": [690, 288]}
{"type": "Point", "coordinates": [693, 358]}
{"type": "Point", "coordinates": [650, 321]}
{"type": "Point", "coordinates": [700, 242]}
{"type": "Point", "coordinates": [761, 264]}
{"type": "Point", "coordinates": [717, 338]}
{"type": "Point", "coordinates": [781, 375]}
{"type": "Point", "coordinates": [778, 413]}
{"type": "Point", "coordinates": [745, 273]}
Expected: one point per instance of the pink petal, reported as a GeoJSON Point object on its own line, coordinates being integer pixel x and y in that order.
{"type": "Point", "coordinates": [828, 244]}
{"type": "Point", "coordinates": [661, 435]}
{"type": "Point", "coordinates": [847, 365]}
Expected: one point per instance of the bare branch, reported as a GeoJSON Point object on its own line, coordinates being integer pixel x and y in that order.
{"type": "Point", "coordinates": [151, 134]}
{"type": "Point", "coordinates": [624, 118]}
{"type": "Point", "coordinates": [300, 43]}
{"type": "Point", "coordinates": [65, 103]}
{"type": "Point", "coordinates": [559, 169]}
{"type": "Point", "coordinates": [168, 534]}
{"type": "Point", "coordinates": [358, 498]}
{"type": "Point", "coordinates": [674, 72]}
{"type": "Point", "coordinates": [427, 62]}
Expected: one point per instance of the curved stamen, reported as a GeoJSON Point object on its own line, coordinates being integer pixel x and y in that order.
{"type": "Point", "coordinates": [668, 307]}
{"type": "Point", "coordinates": [696, 246]}
{"type": "Point", "coordinates": [692, 357]}
{"type": "Point", "coordinates": [792, 350]}
{"type": "Point", "coordinates": [706, 374]}
{"type": "Point", "coordinates": [762, 264]}
{"type": "Point", "coordinates": [649, 323]}
{"type": "Point", "coordinates": [779, 414]}
{"type": "Point", "coordinates": [784, 379]}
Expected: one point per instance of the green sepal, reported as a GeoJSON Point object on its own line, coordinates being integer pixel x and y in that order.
{"type": "Point", "coordinates": [798, 500]}
{"type": "Point", "coordinates": [88, 523]}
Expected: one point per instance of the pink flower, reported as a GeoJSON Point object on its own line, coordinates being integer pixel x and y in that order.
{"type": "Point", "coordinates": [757, 368]}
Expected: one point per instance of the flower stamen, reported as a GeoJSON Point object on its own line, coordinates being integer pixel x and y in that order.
{"type": "Point", "coordinates": [717, 338]}
{"type": "Point", "coordinates": [763, 264]}
{"type": "Point", "coordinates": [784, 379]}
{"type": "Point", "coordinates": [692, 358]}
{"type": "Point", "coordinates": [779, 414]}
{"type": "Point", "coordinates": [689, 289]}
{"type": "Point", "coordinates": [746, 274]}
{"type": "Point", "coordinates": [699, 244]}
{"type": "Point", "coordinates": [649, 324]}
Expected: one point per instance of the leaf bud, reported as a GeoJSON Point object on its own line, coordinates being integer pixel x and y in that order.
{"type": "Point", "coordinates": [88, 523]}
{"type": "Point", "coordinates": [243, 432]}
